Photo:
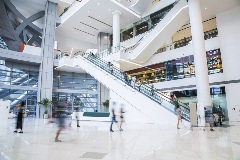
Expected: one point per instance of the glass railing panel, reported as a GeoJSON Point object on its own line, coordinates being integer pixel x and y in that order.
{"type": "Point", "coordinates": [187, 41]}
{"type": "Point", "coordinates": [143, 88]}
{"type": "Point", "coordinates": [145, 34]}
{"type": "Point", "coordinates": [159, 18]}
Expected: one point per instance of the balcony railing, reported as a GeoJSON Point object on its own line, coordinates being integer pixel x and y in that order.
{"type": "Point", "coordinates": [187, 40]}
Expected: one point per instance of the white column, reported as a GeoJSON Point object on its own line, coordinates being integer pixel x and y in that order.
{"type": "Point", "coordinates": [116, 30]}
{"type": "Point", "coordinates": [200, 60]}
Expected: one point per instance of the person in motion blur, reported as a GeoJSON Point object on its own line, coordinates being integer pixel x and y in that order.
{"type": "Point", "coordinates": [179, 112]}
{"type": "Point", "coordinates": [20, 110]}
{"type": "Point", "coordinates": [61, 119]}
{"type": "Point", "coordinates": [121, 116]}
{"type": "Point", "coordinates": [113, 116]}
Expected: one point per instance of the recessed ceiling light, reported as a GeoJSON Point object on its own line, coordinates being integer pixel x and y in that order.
{"type": "Point", "coordinates": [205, 8]}
{"type": "Point", "coordinates": [88, 10]}
{"type": "Point", "coordinates": [98, 3]}
{"type": "Point", "coordinates": [109, 9]}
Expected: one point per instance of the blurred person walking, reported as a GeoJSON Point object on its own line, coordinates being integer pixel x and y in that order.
{"type": "Point", "coordinates": [179, 112]}
{"type": "Point", "coordinates": [61, 122]}
{"type": "Point", "coordinates": [209, 117]}
{"type": "Point", "coordinates": [121, 116]}
{"type": "Point", "coordinates": [113, 116]}
{"type": "Point", "coordinates": [20, 110]}
{"type": "Point", "coordinates": [78, 118]}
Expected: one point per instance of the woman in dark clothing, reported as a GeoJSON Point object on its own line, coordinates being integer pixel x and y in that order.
{"type": "Point", "coordinates": [20, 110]}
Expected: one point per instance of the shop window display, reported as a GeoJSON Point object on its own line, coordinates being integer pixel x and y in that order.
{"type": "Point", "coordinates": [214, 61]}
{"type": "Point", "coordinates": [179, 68]}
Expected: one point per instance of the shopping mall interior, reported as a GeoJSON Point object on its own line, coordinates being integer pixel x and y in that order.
{"type": "Point", "coordinates": [119, 79]}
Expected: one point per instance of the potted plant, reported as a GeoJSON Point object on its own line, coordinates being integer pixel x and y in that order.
{"type": "Point", "coordinates": [106, 105]}
{"type": "Point", "coordinates": [45, 103]}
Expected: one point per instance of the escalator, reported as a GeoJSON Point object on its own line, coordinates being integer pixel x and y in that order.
{"type": "Point", "coordinates": [153, 104]}
{"type": "Point", "coordinates": [169, 23]}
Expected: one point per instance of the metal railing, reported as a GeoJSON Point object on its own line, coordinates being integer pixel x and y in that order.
{"type": "Point", "coordinates": [186, 41]}
{"type": "Point", "coordinates": [147, 33]}
{"type": "Point", "coordinates": [130, 48]}
{"type": "Point", "coordinates": [153, 94]}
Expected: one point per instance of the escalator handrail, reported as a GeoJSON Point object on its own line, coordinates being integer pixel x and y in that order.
{"type": "Point", "coordinates": [120, 74]}
{"type": "Point", "coordinates": [166, 12]}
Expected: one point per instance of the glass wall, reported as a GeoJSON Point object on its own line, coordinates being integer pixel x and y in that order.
{"type": "Point", "coordinates": [14, 74]}
{"type": "Point", "coordinates": [19, 74]}
{"type": "Point", "coordinates": [73, 83]}
{"type": "Point", "coordinates": [75, 101]}
{"type": "Point", "coordinates": [17, 96]}
{"type": "Point", "coordinates": [178, 68]}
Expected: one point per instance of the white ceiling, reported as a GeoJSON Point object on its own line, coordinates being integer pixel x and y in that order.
{"type": "Point", "coordinates": [214, 7]}
{"type": "Point", "coordinates": [100, 10]}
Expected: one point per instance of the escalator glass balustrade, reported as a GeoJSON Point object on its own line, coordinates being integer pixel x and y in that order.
{"type": "Point", "coordinates": [146, 90]}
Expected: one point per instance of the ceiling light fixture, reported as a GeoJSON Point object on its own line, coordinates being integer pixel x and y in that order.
{"type": "Point", "coordinates": [205, 8]}
{"type": "Point", "coordinates": [98, 3]}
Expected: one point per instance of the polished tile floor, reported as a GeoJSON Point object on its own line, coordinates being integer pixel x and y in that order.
{"type": "Point", "coordinates": [137, 142]}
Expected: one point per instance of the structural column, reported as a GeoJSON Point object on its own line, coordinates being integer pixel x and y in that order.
{"type": "Point", "coordinates": [200, 60]}
{"type": "Point", "coordinates": [46, 69]}
{"type": "Point", "coordinates": [116, 30]}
